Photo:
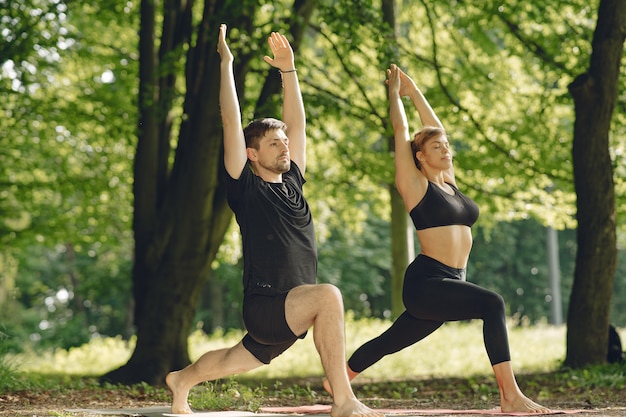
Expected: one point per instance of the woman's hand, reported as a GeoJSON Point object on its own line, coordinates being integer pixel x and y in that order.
{"type": "Point", "coordinates": [394, 79]}
{"type": "Point", "coordinates": [406, 86]}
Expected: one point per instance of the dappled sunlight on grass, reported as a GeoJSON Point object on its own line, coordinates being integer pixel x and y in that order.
{"type": "Point", "coordinates": [301, 360]}
{"type": "Point", "coordinates": [539, 348]}
{"type": "Point", "coordinates": [456, 349]}
{"type": "Point", "coordinates": [96, 358]}
{"type": "Point", "coordinates": [200, 342]}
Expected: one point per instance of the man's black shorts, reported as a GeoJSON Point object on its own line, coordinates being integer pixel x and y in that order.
{"type": "Point", "coordinates": [268, 334]}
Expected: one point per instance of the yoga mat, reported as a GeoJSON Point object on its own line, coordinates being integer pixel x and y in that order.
{"type": "Point", "coordinates": [311, 410]}
{"type": "Point", "coordinates": [319, 409]}
{"type": "Point", "coordinates": [144, 411]}
{"type": "Point", "coordinates": [166, 411]}
{"type": "Point", "coordinates": [227, 414]}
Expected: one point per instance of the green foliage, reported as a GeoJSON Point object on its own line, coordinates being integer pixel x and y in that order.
{"type": "Point", "coordinates": [90, 359]}
{"type": "Point", "coordinates": [496, 73]}
{"type": "Point", "coordinates": [599, 376]}
{"type": "Point", "coordinates": [8, 369]}
{"type": "Point", "coordinates": [439, 368]}
{"type": "Point", "coordinates": [511, 259]}
{"type": "Point", "coordinates": [537, 348]}
{"type": "Point", "coordinates": [358, 262]}
{"type": "Point", "coordinates": [495, 113]}
{"type": "Point", "coordinates": [70, 149]}
{"type": "Point", "coordinates": [66, 203]}
{"type": "Point", "coordinates": [141, 390]}
{"type": "Point", "coordinates": [51, 384]}
{"type": "Point", "coordinates": [225, 395]}
{"type": "Point", "coordinates": [506, 258]}
{"type": "Point", "coordinates": [27, 28]}
{"type": "Point", "coordinates": [294, 392]}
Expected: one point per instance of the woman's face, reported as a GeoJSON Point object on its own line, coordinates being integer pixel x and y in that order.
{"type": "Point", "coordinates": [436, 153]}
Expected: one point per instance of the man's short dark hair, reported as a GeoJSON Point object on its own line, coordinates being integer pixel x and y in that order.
{"type": "Point", "coordinates": [256, 129]}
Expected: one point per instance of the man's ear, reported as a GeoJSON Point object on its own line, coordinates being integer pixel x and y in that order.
{"type": "Point", "coordinates": [252, 154]}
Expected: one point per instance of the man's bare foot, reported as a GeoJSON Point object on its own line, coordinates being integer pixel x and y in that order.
{"type": "Point", "coordinates": [353, 408]}
{"type": "Point", "coordinates": [522, 404]}
{"type": "Point", "coordinates": [179, 394]}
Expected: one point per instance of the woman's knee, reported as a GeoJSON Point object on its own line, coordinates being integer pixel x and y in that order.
{"type": "Point", "coordinates": [496, 305]}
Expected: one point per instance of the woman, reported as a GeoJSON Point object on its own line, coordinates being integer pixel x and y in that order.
{"type": "Point", "coordinates": [435, 290]}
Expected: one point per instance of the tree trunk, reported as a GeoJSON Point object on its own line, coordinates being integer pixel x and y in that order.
{"type": "Point", "coordinates": [402, 247]}
{"type": "Point", "coordinates": [181, 218]}
{"type": "Point", "coordinates": [213, 298]}
{"type": "Point", "coordinates": [594, 96]}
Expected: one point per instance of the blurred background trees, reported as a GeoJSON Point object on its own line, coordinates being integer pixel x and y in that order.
{"type": "Point", "coordinates": [497, 75]}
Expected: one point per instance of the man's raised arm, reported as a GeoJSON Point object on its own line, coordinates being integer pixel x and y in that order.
{"type": "Point", "coordinates": [234, 143]}
{"type": "Point", "coordinates": [293, 107]}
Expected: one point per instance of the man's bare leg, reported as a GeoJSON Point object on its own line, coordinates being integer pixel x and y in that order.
{"type": "Point", "coordinates": [210, 366]}
{"type": "Point", "coordinates": [511, 397]}
{"type": "Point", "coordinates": [321, 306]}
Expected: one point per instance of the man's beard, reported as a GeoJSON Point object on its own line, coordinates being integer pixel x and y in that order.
{"type": "Point", "coordinates": [283, 166]}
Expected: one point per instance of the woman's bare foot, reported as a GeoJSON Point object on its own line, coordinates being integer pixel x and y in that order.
{"type": "Point", "coordinates": [179, 394]}
{"type": "Point", "coordinates": [522, 404]}
{"type": "Point", "coordinates": [353, 408]}
{"type": "Point", "coordinates": [327, 387]}
{"type": "Point", "coordinates": [511, 397]}
{"type": "Point", "coordinates": [351, 376]}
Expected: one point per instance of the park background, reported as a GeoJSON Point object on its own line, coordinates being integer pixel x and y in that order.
{"type": "Point", "coordinates": [113, 219]}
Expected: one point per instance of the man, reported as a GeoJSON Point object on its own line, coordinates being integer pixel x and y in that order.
{"type": "Point", "coordinates": [266, 163]}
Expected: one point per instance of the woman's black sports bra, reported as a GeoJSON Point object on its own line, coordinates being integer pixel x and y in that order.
{"type": "Point", "coordinates": [439, 208]}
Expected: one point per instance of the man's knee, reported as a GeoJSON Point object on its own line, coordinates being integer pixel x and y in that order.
{"type": "Point", "coordinates": [331, 292]}
{"type": "Point", "coordinates": [326, 297]}
{"type": "Point", "coordinates": [331, 289]}
{"type": "Point", "coordinates": [319, 296]}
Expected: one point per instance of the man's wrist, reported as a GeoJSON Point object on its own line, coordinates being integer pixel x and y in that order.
{"type": "Point", "coordinates": [288, 71]}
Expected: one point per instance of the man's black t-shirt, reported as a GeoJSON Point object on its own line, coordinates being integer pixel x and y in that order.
{"type": "Point", "coordinates": [279, 249]}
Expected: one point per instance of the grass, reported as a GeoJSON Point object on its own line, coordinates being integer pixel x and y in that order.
{"type": "Point", "coordinates": [454, 350]}
{"type": "Point", "coordinates": [454, 355]}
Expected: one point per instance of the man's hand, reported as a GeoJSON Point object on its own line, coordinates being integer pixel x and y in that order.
{"type": "Point", "coordinates": [283, 54]}
{"type": "Point", "coordinates": [222, 46]}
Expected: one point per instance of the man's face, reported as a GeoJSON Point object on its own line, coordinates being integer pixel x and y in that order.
{"type": "Point", "coordinates": [273, 152]}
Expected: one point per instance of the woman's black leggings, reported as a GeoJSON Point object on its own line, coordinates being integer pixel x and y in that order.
{"type": "Point", "coordinates": [434, 293]}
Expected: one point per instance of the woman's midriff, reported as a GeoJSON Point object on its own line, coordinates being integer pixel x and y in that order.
{"type": "Point", "coordinates": [450, 245]}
